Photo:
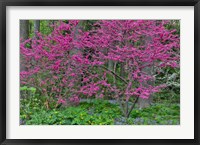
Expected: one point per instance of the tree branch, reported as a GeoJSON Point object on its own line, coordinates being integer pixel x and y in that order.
{"type": "Point", "coordinates": [132, 107]}
{"type": "Point", "coordinates": [114, 74]}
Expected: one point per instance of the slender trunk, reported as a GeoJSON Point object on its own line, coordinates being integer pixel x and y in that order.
{"type": "Point", "coordinates": [36, 27]}
{"type": "Point", "coordinates": [114, 70]}
{"type": "Point", "coordinates": [122, 71]}
{"type": "Point", "coordinates": [110, 65]}
{"type": "Point", "coordinates": [24, 29]}
{"type": "Point", "coordinates": [24, 34]}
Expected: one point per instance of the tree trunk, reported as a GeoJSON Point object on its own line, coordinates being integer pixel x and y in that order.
{"type": "Point", "coordinates": [110, 64]}
{"type": "Point", "coordinates": [24, 29]}
{"type": "Point", "coordinates": [143, 103]}
{"type": "Point", "coordinates": [36, 27]}
{"type": "Point", "coordinates": [24, 35]}
{"type": "Point", "coordinates": [122, 71]}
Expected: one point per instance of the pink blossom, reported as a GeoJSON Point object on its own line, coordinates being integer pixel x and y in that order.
{"type": "Point", "coordinates": [76, 63]}
{"type": "Point", "coordinates": [61, 101]}
{"type": "Point", "coordinates": [72, 74]}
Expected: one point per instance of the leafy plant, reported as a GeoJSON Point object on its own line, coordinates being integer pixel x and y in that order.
{"type": "Point", "coordinates": [98, 112]}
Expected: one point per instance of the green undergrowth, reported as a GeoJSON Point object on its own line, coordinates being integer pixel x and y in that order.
{"type": "Point", "coordinates": [100, 112]}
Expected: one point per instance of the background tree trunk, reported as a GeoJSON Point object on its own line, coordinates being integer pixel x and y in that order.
{"type": "Point", "coordinates": [24, 34]}
{"type": "Point", "coordinates": [143, 103]}
{"type": "Point", "coordinates": [36, 27]}
{"type": "Point", "coordinates": [110, 64]}
{"type": "Point", "coordinates": [24, 29]}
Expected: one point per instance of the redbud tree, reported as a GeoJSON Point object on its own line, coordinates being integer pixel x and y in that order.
{"type": "Point", "coordinates": [115, 58]}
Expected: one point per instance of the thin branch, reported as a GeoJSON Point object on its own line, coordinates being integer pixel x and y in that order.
{"type": "Point", "coordinates": [132, 107]}
{"type": "Point", "coordinates": [127, 108]}
{"type": "Point", "coordinates": [114, 74]}
{"type": "Point", "coordinates": [114, 77]}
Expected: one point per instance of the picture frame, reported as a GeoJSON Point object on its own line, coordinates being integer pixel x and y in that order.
{"type": "Point", "coordinates": [3, 89]}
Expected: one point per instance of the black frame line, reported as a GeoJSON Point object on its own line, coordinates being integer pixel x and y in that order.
{"type": "Point", "coordinates": [5, 3]}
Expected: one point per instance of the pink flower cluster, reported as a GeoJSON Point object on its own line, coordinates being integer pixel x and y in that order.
{"type": "Point", "coordinates": [71, 62]}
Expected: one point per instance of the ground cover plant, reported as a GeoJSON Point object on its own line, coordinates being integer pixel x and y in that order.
{"type": "Point", "coordinates": [99, 72]}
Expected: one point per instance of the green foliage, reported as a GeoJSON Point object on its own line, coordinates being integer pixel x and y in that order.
{"type": "Point", "coordinates": [32, 102]}
{"type": "Point", "coordinates": [29, 102]}
{"type": "Point", "coordinates": [45, 27]}
{"type": "Point", "coordinates": [158, 114]}
{"type": "Point", "coordinates": [98, 112]}
{"type": "Point", "coordinates": [87, 24]}
{"type": "Point", "coordinates": [31, 28]}
{"type": "Point", "coordinates": [174, 24]}
{"type": "Point", "coordinates": [27, 91]}
{"type": "Point", "coordinates": [171, 94]}
{"type": "Point", "coordinates": [86, 113]}
{"type": "Point", "coordinates": [167, 96]}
